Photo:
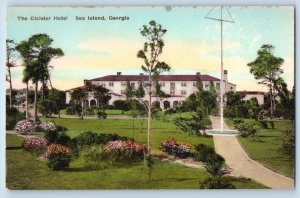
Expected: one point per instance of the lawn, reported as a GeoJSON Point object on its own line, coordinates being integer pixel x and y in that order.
{"type": "Point", "coordinates": [24, 171]}
{"type": "Point", "coordinates": [268, 150]}
{"type": "Point", "coordinates": [108, 111]}
{"type": "Point", "coordinates": [160, 130]}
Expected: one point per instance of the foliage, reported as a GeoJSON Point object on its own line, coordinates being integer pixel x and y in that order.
{"type": "Point", "coordinates": [12, 117]}
{"type": "Point", "coordinates": [125, 151]}
{"type": "Point", "coordinates": [58, 98]}
{"type": "Point", "coordinates": [95, 156]}
{"type": "Point", "coordinates": [288, 142]}
{"type": "Point", "coordinates": [47, 127]}
{"type": "Point", "coordinates": [102, 96]}
{"type": "Point", "coordinates": [172, 147]}
{"type": "Point", "coordinates": [101, 114]}
{"type": "Point", "coordinates": [121, 104]}
{"type": "Point", "coordinates": [89, 111]}
{"type": "Point", "coordinates": [46, 106]}
{"type": "Point", "coordinates": [267, 68]}
{"type": "Point", "coordinates": [217, 182]}
{"type": "Point", "coordinates": [25, 127]}
{"type": "Point", "coordinates": [247, 128]}
{"type": "Point", "coordinates": [202, 151]}
{"type": "Point", "coordinates": [36, 145]}
{"type": "Point", "coordinates": [193, 123]}
{"type": "Point", "coordinates": [214, 163]}
{"type": "Point", "coordinates": [58, 157]}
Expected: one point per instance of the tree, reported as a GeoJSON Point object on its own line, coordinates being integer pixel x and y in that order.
{"type": "Point", "coordinates": [267, 69]}
{"type": "Point", "coordinates": [102, 96]}
{"type": "Point", "coordinates": [78, 97]}
{"type": "Point", "coordinates": [10, 53]}
{"type": "Point", "coordinates": [153, 48]}
{"type": "Point", "coordinates": [58, 98]}
{"type": "Point", "coordinates": [37, 54]}
{"type": "Point", "coordinates": [121, 104]}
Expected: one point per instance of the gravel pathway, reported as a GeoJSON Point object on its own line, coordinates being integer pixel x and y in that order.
{"type": "Point", "coordinates": [238, 160]}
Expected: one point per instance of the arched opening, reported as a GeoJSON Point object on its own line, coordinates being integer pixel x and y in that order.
{"type": "Point", "coordinates": [93, 103]}
{"type": "Point", "coordinates": [156, 104]}
{"type": "Point", "coordinates": [167, 105]}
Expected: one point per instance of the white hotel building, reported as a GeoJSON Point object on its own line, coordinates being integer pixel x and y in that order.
{"type": "Point", "coordinates": [179, 87]}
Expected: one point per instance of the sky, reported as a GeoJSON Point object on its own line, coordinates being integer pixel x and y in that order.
{"type": "Point", "coordinates": [192, 42]}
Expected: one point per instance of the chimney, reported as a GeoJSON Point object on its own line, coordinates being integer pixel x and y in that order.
{"type": "Point", "coordinates": [198, 73]}
{"type": "Point", "coordinates": [225, 78]}
{"type": "Point", "coordinates": [141, 74]}
{"type": "Point", "coordinates": [119, 73]}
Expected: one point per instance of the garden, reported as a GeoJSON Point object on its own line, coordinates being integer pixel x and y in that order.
{"type": "Point", "coordinates": [70, 151]}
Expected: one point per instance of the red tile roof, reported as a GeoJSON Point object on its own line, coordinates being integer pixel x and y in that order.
{"type": "Point", "coordinates": [160, 78]}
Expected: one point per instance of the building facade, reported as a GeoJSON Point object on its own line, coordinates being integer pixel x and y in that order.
{"type": "Point", "coordinates": [178, 87]}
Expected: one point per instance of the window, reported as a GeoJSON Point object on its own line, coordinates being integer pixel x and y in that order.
{"type": "Point", "coordinates": [111, 84]}
{"type": "Point", "coordinates": [122, 91]}
{"type": "Point", "coordinates": [231, 88]}
{"type": "Point", "coordinates": [172, 85]}
{"type": "Point", "coordinates": [102, 84]}
{"type": "Point", "coordinates": [218, 86]}
{"type": "Point", "coordinates": [183, 84]}
{"type": "Point", "coordinates": [163, 84]}
{"type": "Point", "coordinates": [194, 84]}
{"type": "Point", "coordinates": [172, 92]}
{"type": "Point", "coordinates": [183, 92]}
{"type": "Point", "coordinates": [132, 85]}
{"type": "Point", "coordinates": [123, 84]}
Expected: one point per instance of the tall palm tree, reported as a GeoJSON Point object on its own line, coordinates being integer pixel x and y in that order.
{"type": "Point", "coordinates": [10, 49]}
{"type": "Point", "coordinates": [37, 54]}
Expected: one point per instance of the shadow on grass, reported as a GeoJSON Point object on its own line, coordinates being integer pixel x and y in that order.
{"type": "Point", "coordinates": [14, 148]}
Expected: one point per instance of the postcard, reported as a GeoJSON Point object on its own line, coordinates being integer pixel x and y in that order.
{"type": "Point", "coordinates": [150, 98]}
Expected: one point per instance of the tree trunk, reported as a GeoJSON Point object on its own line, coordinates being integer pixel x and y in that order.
{"type": "Point", "coordinates": [27, 107]}
{"type": "Point", "coordinates": [149, 125]}
{"type": "Point", "coordinates": [10, 89]}
{"type": "Point", "coordinates": [35, 102]}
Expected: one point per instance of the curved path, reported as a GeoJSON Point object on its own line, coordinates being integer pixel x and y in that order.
{"type": "Point", "coordinates": [237, 159]}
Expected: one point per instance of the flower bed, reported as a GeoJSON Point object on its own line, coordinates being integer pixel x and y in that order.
{"type": "Point", "coordinates": [47, 127]}
{"type": "Point", "coordinates": [125, 151]}
{"type": "Point", "coordinates": [172, 147]}
{"type": "Point", "coordinates": [25, 127]}
{"type": "Point", "coordinates": [36, 145]}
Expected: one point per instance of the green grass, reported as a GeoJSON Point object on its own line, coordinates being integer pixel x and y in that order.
{"type": "Point", "coordinates": [268, 150]}
{"type": "Point", "coordinates": [24, 171]}
{"type": "Point", "coordinates": [160, 130]}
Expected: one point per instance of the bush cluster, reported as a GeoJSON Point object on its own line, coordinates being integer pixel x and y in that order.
{"type": "Point", "coordinates": [288, 142]}
{"type": "Point", "coordinates": [35, 145]}
{"type": "Point", "coordinates": [213, 161]}
{"type": "Point", "coordinates": [172, 147]}
{"type": "Point", "coordinates": [217, 182]}
{"type": "Point", "coordinates": [247, 127]}
{"type": "Point", "coordinates": [125, 151]}
{"type": "Point", "coordinates": [58, 157]}
{"type": "Point", "coordinates": [25, 127]}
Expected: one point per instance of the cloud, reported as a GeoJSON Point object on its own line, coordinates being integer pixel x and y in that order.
{"type": "Point", "coordinates": [255, 40]}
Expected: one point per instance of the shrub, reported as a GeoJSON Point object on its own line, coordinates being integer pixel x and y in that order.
{"type": "Point", "coordinates": [263, 124]}
{"type": "Point", "coordinates": [202, 151]}
{"type": "Point", "coordinates": [172, 147]}
{"type": "Point", "coordinates": [214, 163]}
{"type": "Point", "coordinates": [288, 142]}
{"type": "Point", "coordinates": [90, 138]}
{"type": "Point", "coordinates": [101, 114]}
{"type": "Point", "coordinates": [12, 117]}
{"type": "Point", "coordinates": [96, 156]}
{"type": "Point", "coordinates": [71, 110]}
{"type": "Point", "coordinates": [125, 151]}
{"type": "Point", "coordinates": [89, 111]}
{"type": "Point", "coordinates": [47, 127]}
{"type": "Point", "coordinates": [35, 145]}
{"type": "Point", "coordinates": [25, 127]}
{"type": "Point", "coordinates": [217, 182]}
{"type": "Point", "coordinates": [86, 138]}
{"type": "Point", "coordinates": [248, 127]}
{"type": "Point", "coordinates": [58, 157]}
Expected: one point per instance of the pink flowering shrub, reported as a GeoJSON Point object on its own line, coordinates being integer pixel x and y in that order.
{"type": "Point", "coordinates": [172, 147]}
{"type": "Point", "coordinates": [47, 127]}
{"type": "Point", "coordinates": [37, 145]}
{"type": "Point", "coordinates": [125, 151]}
{"type": "Point", "coordinates": [58, 157]}
{"type": "Point", "coordinates": [25, 127]}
